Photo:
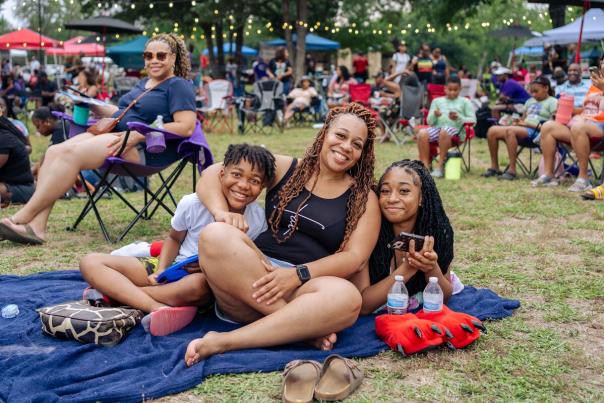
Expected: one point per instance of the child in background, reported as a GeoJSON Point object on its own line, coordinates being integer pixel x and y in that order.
{"type": "Point", "coordinates": [133, 281]}
{"type": "Point", "coordinates": [446, 119]}
{"type": "Point", "coordinates": [538, 109]}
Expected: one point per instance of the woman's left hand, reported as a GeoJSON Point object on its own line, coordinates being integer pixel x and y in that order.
{"type": "Point", "coordinates": [426, 259]}
{"type": "Point", "coordinates": [278, 283]}
{"type": "Point", "coordinates": [115, 145]}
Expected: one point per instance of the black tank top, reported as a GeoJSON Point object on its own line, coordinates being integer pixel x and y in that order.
{"type": "Point", "coordinates": [320, 231]}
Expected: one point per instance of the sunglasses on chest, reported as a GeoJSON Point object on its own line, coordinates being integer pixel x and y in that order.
{"type": "Point", "coordinates": [161, 56]}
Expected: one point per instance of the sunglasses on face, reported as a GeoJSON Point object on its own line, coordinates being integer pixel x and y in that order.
{"type": "Point", "coordinates": [161, 56]}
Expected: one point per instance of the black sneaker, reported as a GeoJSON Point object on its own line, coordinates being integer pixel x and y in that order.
{"type": "Point", "coordinates": [491, 172]}
{"type": "Point", "coordinates": [507, 176]}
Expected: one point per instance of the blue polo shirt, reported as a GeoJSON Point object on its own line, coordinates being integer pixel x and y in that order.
{"type": "Point", "coordinates": [173, 95]}
{"type": "Point", "coordinates": [514, 91]}
{"type": "Point", "coordinates": [578, 91]}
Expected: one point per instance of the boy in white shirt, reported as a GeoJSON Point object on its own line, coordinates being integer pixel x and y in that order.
{"type": "Point", "coordinates": [133, 281]}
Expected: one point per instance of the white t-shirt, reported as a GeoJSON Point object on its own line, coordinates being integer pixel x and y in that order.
{"type": "Point", "coordinates": [401, 61]}
{"type": "Point", "coordinates": [191, 216]}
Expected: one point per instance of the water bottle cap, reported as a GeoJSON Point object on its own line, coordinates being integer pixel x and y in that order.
{"type": "Point", "coordinates": [433, 279]}
{"type": "Point", "coordinates": [398, 278]}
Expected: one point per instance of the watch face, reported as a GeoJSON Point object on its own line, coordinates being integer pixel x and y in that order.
{"type": "Point", "coordinates": [303, 273]}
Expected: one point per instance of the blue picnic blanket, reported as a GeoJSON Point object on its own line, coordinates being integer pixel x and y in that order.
{"type": "Point", "coordinates": [37, 367]}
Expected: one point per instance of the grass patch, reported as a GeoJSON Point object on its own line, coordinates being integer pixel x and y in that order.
{"type": "Point", "coordinates": [542, 246]}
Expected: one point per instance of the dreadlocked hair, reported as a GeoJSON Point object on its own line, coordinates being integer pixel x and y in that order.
{"type": "Point", "coordinates": [361, 173]}
{"type": "Point", "coordinates": [259, 158]}
{"type": "Point", "coordinates": [182, 65]}
{"type": "Point", "coordinates": [431, 220]}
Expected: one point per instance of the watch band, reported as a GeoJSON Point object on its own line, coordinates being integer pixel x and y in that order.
{"type": "Point", "coordinates": [303, 273]}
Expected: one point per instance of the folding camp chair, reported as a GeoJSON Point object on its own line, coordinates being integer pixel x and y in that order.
{"type": "Point", "coordinates": [258, 111]}
{"type": "Point", "coordinates": [192, 149]}
{"type": "Point", "coordinates": [596, 146]}
{"type": "Point", "coordinates": [412, 97]}
{"type": "Point", "coordinates": [361, 93]}
{"type": "Point", "coordinates": [218, 109]}
{"type": "Point", "coordinates": [463, 147]}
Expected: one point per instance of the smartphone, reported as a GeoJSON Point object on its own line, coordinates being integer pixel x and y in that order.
{"type": "Point", "coordinates": [594, 70]}
{"type": "Point", "coordinates": [401, 242]}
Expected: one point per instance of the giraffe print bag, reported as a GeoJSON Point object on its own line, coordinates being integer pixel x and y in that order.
{"type": "Point", "coordinates": [77, 320]}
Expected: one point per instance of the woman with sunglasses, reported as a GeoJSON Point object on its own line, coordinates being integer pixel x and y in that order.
{"type": "Point", "coordinates": [171, 95]}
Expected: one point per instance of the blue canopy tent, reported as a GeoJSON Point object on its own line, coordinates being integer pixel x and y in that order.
{"type": "Point", "coordinates": [129, 54]}
{"type": "Point", "coordinates": [229, 48]}
{"type": "Point", "coordinates": [529, 51]}
{"type": "Point", "coordinates": [593, 30]}
{"type": "Point", "coordinates": [313, 43]}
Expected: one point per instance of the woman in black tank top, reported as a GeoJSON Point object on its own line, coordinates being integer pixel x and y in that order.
{"type": "Point", "coordinates": [409, 202]}
{"type": "Point", "coordinates": [323, 219]}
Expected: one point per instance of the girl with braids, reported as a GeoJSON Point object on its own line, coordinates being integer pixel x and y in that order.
{"type": "Point", "coordinates": [409, 202]}
{"type": "Point", "coordinates": [169, 94]}
{"type": "Point", "coordinates": [290, 285]}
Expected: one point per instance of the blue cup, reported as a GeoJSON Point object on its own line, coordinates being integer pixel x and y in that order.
{"type": "Point", "coordinates": [81, 112]}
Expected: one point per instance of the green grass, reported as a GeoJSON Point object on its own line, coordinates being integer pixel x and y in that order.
{"type": "Point", "coordinates": [542, 246]}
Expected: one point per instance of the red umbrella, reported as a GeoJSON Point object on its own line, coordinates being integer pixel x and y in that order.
{"type": "Point", "coordinates": [26, 39]}
{"type": "Point", "coordinates": [74, 46]}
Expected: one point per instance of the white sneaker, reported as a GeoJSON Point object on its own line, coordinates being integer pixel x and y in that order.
{"type": "Point", "coordinates": [544, 181]}
{"type": "Point", "coordinates": [580, 185]}
{"type": "Point", "coordinates": [136, 249]}
{"type": "Point", "coordinates": [437, 173]}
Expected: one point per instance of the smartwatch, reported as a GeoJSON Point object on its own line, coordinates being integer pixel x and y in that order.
{"type": "Point", "coordinates": [303, 273]}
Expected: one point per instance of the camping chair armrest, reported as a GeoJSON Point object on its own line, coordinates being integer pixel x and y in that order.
{"type": "Point", "coordinates": [469, 128]}
{"type": "Point", "coordinates": [145, 129]}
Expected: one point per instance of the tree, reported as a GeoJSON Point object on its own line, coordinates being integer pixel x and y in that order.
{"type": "Point", "coordinates": [49, 16]}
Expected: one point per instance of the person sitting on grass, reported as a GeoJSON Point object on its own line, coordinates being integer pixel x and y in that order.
{"type": "Point", "coordinates": [409, 202]}
{"type": "Point", "coordinates": [133, 281]}
{"type": "Point", "coordinates": [301, 97]}
{"type": "Point", "coordinates": [580, 132]}
{"type": "Point", "coordinates": [16, 179]}
{"type": "Point", "coordinates": [446, 119]}
{"type": "Point", "coordinates": [538, 109]}
{"type": "Point", "coordinates": [290, 284]}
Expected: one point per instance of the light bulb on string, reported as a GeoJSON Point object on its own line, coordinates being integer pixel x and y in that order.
{"type": "Point", "coordinates": [170, 4]}
{"type": "Point", "coordinates": [150, 5]}
{"type": "Point", "coordinates": [133, 6]}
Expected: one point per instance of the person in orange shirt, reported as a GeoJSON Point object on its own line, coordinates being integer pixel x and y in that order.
{"type": "Point", "coordinates": [582, 131]}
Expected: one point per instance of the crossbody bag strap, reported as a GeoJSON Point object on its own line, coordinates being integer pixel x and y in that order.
{"type": "Point", "coordinates": [121, 115]}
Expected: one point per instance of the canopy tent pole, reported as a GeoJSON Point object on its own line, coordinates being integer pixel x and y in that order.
{"type": "Point", "coordinates": [578, 52]}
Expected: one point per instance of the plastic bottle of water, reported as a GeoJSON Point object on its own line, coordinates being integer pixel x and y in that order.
{"type": "Point", "coordinates": [433, 296]}
{"type": "Point", "coordinates": [398, 297]}
{"type": "Point", "coordinates": [156, 142]}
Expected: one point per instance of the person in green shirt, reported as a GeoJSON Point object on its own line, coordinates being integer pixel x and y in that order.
{"type": "Point", "coordinates": [538, 109]}
{"type": "Point", "coordinates": [446, 118]}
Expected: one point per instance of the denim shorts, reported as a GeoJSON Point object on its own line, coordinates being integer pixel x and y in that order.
{"type": "Point", "coordinates": [20, 193]}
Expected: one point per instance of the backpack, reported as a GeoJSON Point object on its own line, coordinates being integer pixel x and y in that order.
{"type": "Point", "coordinates": [483, 121]}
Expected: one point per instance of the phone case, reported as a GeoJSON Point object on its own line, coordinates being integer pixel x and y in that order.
{"type": "Point", "coordinates": [401, 242]}
{"type": "Point", "coordinates": [176, 271]}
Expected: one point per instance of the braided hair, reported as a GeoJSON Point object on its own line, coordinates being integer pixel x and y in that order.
{"type": "Point", "coordinates": [361, 173]}
{"type": "Point", "coordinates": [182, 65]}
{"type": "Point", "coordinates": [259, 158]}
{"type": "Point", "coordinates": [431, 220]}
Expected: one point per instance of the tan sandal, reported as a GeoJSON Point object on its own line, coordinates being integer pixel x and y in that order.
{"type": "Point", "coordinates": [339, 378]}
{"type": "Point", "coordinates": [299, 380]}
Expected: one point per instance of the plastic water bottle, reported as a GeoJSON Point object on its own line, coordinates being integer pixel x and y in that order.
{"type": "Point", "coordinates": [433, 296]}
{"type": "Point", "coordinates": [10, 311]}
{"type": "Point", "coordinates": [398, 297]}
